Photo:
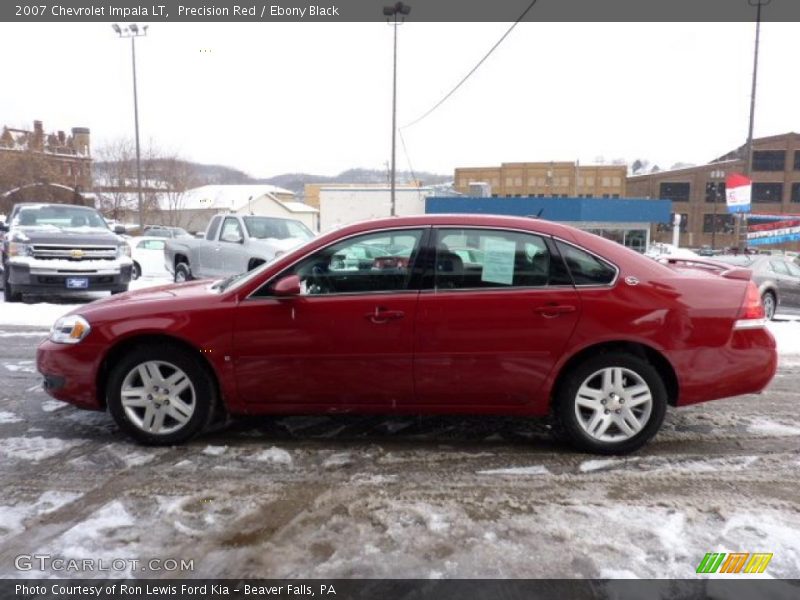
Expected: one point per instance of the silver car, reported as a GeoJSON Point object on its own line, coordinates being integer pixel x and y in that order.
{"type": "Point", "coordinates": [777, 278]}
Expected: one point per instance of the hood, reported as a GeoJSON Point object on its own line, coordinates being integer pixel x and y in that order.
{"type": "Point", "coordinates": [78, 236]}
{"type": "Point", "coordinates": [163, 297]}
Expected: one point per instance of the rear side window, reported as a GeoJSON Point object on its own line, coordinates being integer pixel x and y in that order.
{"type": "Point", "coordinates": [779, 267]}
{"type": "Point", "coordinates": [211, 234]}
{"type": "Point", "coordinates": [493, 258]}
{"type": "Point", "coordinates": [586, 268]}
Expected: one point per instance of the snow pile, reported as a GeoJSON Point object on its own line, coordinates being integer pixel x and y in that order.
{"type": "Point", "coordinates": [13, 517]}
{"type": "Point", "coordinates": [769, 428]}
{"type": "Point", "coordinates": [8, 417]}
{"type": "Point", "coordinates": [34, 448]}
{"type": "Point", "coordinates": [273, 455]}
{"type": "Point", "coordinates": [215, 450]}
{"type": "Point", "coordinates": [532, 470]}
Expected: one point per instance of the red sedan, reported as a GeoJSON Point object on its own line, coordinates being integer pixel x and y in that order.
{"type": "Point", "coordinates": [535, 319]}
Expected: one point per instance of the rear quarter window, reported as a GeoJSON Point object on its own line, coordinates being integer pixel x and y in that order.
{"type": "Point", "coordinates": [585, 268]}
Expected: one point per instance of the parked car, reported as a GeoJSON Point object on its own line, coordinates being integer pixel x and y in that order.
{"type": "Point", "coordinates": [61, 249]}
{"type": "Point", "coordinates": [777, 278]}
{"type": "Point", "coordinates": [233, 244]}
{"type": "Point", "coordinates": [163, 231]}
{"type": "Point", "coordinates": [148, 257]}
{"type": "Point", "coordinates": [550, 321]}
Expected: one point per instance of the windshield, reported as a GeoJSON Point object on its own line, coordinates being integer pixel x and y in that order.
{"type": "Point", "coordinates": [62, 217]}
{"type": "Point", "coordinates": [262, 228]}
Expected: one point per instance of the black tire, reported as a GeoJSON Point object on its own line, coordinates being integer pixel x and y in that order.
{"type": "Point", "coordinates": [9, 295]}
{"type": "Point", "coordinates": [182, 273]}
{"type": "Point", "coordinates": [120, 290]}
{"type": "Point", "coordinates": [163, 361]}
{"type": "Point", "coordinates": [770, 305]}
{"type": "Point", "coordinates": [570, 420]}
{"type": "Point", "coordinates": [136, 271]}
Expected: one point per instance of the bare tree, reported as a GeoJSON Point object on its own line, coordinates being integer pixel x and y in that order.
{"type": "Point", "coordinates": [177, 176]}
{"type": "Point", "coordinates": [115, 178]}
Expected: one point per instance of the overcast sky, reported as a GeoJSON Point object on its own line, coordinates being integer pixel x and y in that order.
{"type": "Point", "coordinates": [271, 98]}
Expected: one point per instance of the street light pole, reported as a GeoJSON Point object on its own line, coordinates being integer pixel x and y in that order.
{"type": "Point", "coordinates": [741, 220]}
{"type": "Point", "coordinates": [397, 10]}
{"type": "Point", "coordinates": [132, 31]}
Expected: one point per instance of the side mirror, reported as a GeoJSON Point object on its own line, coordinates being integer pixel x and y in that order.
{"type": "Point", "coordinates": [287, 286]}
{"type": "Point", "coordinates": [118, 229]}
{"type": "Point", "coordinates": [3, 227]}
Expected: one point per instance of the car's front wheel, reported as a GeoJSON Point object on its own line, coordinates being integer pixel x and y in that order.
{"type": "Point", "coordinates": [182, 273]}
{"type": "Point", "coordinates": [136, 271]}
{"type": "Point", "coordinates": [9, 295]}
{"type": "Point", "coordinates": [612, 403]}
{"type": "Point", "coordinates": [161, 395]}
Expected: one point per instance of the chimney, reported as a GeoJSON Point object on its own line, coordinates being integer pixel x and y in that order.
{"type": "Point", "coordinates": [62, 138]}
{"type": "Point", "coordinates": [80, 140]}
{"type": "Point", "coordinates": [37, 143]}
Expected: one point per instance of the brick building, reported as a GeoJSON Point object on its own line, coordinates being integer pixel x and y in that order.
{"type": "Point", "coordinates": [35, 157]}
{"type": "Point", "coordinates": [546, 179]}
{"type": "Point", "coordinates": [695, 191]}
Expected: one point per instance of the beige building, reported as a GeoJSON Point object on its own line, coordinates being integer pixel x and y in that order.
{"type": "Point", "coordinates": [311, 191]}
{"type": "Point", "coordinates": [546, 179]}
{"type": "Point", "coordinates": [694, 190]}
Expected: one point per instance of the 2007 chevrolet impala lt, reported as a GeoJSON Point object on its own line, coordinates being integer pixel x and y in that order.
{"type": "Point", "coordinates": [429, 314]}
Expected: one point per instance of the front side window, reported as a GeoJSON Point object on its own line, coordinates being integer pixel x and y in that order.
{"type": "Point", "coordinates": [488, 258]}
{"type": "Point", "coordinates": [262, 228]}
{"type": "Point", "coordinates": [231, 231]}
{"type": "Point", "coordinates": [151, 245]}
{"type": "Point", "coordinates": [375, 262]}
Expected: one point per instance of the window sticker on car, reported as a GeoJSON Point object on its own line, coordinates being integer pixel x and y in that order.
{"type": "Point", "coordinates": [498, 261]}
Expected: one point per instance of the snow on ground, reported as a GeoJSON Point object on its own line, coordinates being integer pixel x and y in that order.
{"type": "Point", "coordinates": [13, 516]}
{"type": "Point", "coordinates": [33, 448]}
{"type": "Point", "coordinates": [44, 314]}
{"type": "Point", "coordinates": [9, 417]}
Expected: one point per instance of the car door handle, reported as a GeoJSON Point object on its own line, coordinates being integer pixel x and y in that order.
{"type": "Point", "coordinates": [550, 311]}
{"type": "Point", "coordinates": [382, 315]}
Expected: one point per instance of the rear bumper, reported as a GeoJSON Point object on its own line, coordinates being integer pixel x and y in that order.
{"type": "Point", "coordinates": [745, 366]}
{"type": "Point", "coordinates": [70, 373]}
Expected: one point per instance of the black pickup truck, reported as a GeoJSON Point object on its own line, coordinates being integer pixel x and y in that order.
{"type": "Point", "coordinates": [59, 249]}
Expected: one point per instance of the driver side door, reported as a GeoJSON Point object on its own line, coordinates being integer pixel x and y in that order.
{"type": "Point", "coordinates": [346, 340]}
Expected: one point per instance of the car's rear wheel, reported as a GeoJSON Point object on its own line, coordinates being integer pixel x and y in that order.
{"type": "Point", "coordinates": [182, 273]}
{"type": "Point", "coordinates": [770, 304]}
{"type": "Point", "coordinates": [612, 403]}
{"type": "Point", "coordinates": [161, 395]}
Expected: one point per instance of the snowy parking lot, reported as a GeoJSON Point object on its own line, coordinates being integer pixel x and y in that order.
{"type": "Point", "coordinates": [339, 497]}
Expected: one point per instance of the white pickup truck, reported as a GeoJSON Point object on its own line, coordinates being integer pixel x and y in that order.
{"type": "Point", "coordinates": [233, 244]}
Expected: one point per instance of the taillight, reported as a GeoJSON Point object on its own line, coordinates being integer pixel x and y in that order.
{"type": "Point", "coordinates": [751, 314]}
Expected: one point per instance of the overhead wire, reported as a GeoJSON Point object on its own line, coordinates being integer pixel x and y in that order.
{"type": "Point", "coordinates": [475, 68]}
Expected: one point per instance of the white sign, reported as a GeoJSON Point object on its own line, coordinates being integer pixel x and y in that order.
{"type": "Point", "coordinates": [498, 261]}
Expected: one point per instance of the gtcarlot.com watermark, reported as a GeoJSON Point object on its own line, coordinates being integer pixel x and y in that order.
{"type": "Point", "coordinates": [60, 564]}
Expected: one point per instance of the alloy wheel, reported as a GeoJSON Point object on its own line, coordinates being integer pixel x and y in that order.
{"type": "Point", "coordinates": [158, 397]}
{"type": "Point", "coordinates": [613, 404]}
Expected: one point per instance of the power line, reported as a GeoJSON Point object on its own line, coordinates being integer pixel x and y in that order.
{"type": "Point", "coordinates": [475, 68]}
{"type": "Point", "coordinates": [405, 151]}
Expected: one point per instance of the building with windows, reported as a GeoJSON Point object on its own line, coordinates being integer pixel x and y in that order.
{"type": "Point", "coordinates": [698, 193]}
{"type": "Point", "coordinates": [545, 179]}
{"type": "Point", "coordinates": [33, 156]}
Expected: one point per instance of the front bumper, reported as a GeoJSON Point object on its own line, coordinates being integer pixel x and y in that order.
{"type": "Point", "coordinates": [70, 372]}
{"type": "Point", "coordinates": [30, 277]}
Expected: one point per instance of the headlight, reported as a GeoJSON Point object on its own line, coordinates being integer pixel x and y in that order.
{"type": "Point", "coordinates": [70, 330]}
{"type": "Point", "coordinates": [123, 250]}
{"type": "Point", "coordinates": [19, 249]}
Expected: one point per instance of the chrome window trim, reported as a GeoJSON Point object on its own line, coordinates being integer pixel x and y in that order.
{"type": "Point", "coordinates": [421, 228]}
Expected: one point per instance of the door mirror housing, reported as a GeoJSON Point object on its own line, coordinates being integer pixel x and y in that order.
{"type": "Point", "coordinates": [287, 286]}
{"type": "Point", "coordinates": [4, 226]}
{"type": "Point", "coordinates": [118, 229]}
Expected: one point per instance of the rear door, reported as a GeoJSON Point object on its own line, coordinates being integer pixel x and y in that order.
{"type": "Point", "coordinates": [500, 310]}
